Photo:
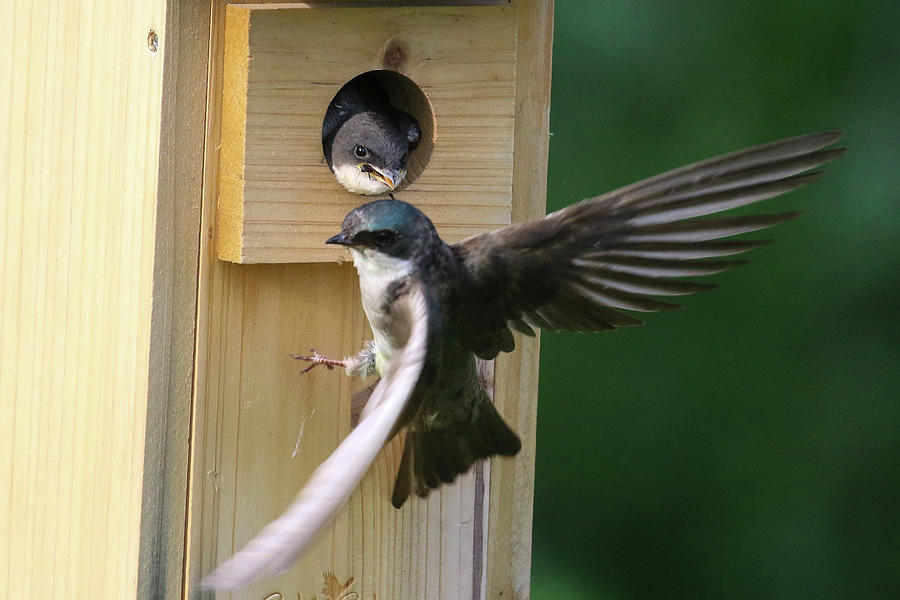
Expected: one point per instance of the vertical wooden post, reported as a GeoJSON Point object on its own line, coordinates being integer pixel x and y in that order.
{"type": "Point", "coordinates": [80, 257]}
{"type": "Point", "coordinates": [512, 494]}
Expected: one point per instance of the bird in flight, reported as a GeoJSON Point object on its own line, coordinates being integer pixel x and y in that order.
{"type": "Point", "coordinates": [435, 307]}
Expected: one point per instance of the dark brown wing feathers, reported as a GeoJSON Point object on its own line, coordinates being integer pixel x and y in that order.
{"type": "Point", "coordinates": [578, 267]}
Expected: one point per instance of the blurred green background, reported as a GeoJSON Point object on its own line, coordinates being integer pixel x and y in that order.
{"type": "Point", "coordinates": [748, 445]}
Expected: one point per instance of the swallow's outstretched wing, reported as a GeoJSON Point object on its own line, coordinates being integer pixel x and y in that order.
{"type": "Point", "coordinates": [282, 541]}
{"type": "Point", "coordinates": [578, 267]}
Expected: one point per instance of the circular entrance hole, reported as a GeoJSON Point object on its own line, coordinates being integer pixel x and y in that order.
{"type": "Point", "coordinates": [402, 94]}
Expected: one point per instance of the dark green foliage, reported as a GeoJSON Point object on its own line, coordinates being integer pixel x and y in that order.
{"type": "Point", "coordinates": [747, 446]}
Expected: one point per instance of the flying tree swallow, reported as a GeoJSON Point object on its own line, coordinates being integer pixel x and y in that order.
{"type": "Point", "coordinates": [365, 139]}
{"type": "Point", "coordinates": [434, 307]}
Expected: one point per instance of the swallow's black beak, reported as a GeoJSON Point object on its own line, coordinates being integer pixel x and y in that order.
{"type": "Point", "coordinates": [339, 239]}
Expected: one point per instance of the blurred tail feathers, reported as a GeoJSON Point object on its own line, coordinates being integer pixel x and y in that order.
{"type": "Point", "coordinates": [431, 457]}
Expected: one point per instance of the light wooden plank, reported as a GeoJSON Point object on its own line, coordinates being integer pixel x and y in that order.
{"type": "Point", "coordinates": [270, 427]}
{"type": "Point", "coordinates": [512, 482]}
{"type": "Point", "coordinates": [78, 189]}
{"type": "Point", "coordinates": [272, 171]}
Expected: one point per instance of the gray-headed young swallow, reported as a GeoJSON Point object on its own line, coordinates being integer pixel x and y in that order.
{"type": "Point", "coordinates": [434, 307]}
{"type": "Point", "coordinates": [367, 141]}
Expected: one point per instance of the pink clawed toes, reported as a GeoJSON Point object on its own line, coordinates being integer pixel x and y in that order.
{"type": "Point", "coordinates": [317, 359]}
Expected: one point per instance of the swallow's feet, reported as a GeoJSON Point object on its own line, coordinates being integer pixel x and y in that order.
{"type": "Point", "coordinates": [317, 359]}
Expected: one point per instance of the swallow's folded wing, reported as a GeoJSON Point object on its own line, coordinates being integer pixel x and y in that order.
{"type": "Point", "coordinates": [577, 268]}
{"type": "Point", "coordinates": [282, 541]}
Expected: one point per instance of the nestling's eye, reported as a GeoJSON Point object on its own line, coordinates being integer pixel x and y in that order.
{"type": "Point", "coordinates": [361, 151]}
{"type": "Point", "coordinates": [384, 237]}
{"type": "Point", "coordinates": [403, 160]}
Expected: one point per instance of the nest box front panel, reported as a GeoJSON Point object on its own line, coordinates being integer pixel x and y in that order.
{"type": "Point", "coordinates": [278, 201]}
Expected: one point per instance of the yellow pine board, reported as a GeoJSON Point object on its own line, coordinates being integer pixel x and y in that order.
{"type": "Point", "coordinates": [78, 182]}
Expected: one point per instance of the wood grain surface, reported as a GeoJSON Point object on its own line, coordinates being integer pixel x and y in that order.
{"type": "Point", "coordinates": [80, 119]}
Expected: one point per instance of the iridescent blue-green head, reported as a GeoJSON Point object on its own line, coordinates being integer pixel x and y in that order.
{"type": "Point", "coordinates": [390, 227]}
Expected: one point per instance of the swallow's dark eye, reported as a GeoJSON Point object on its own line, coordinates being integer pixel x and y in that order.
{"type": "Point", "coordinates": [361, 151]}
{"type": "Point", "coordinates": [384, 237]}
{"type": "Point", "coordinates": [403, 160]}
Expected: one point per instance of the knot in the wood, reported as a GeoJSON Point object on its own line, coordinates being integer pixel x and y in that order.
{"type": "Point", "coordinates": [394, 56]}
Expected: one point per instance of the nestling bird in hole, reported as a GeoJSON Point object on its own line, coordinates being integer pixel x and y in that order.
{"type": "Point", "coordinates": [366, 140]}
{"type": "Point", "coordinates": [434, 307]}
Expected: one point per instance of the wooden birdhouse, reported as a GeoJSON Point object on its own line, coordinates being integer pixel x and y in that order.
{"type": "Point", "coordinates": [456, 69]}
{"type": "Point", "coordinates": [206, 196]}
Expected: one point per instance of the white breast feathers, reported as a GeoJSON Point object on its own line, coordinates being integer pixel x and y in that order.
{"type": "Point", "coordinates": [377, 273]}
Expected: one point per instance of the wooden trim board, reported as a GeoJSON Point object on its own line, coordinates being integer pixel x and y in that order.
{"type": "Point", "coordinates": [516, 380]}
{"type": "Point", "coordinates": [172, 338]}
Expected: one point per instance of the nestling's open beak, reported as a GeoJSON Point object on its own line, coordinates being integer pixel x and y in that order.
{"type": "Point", "coordinates": [340, 239]}
{"type": "Point", "coordinates": [389, 178]}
